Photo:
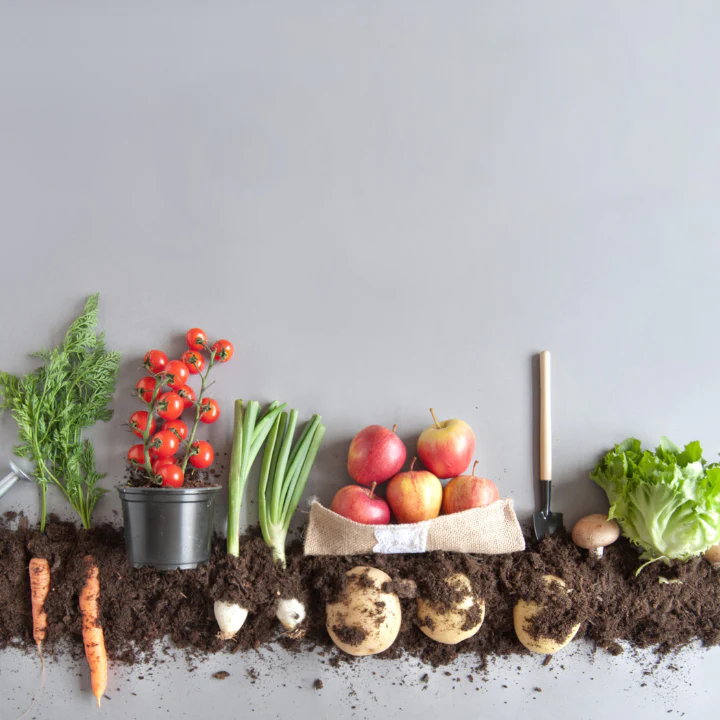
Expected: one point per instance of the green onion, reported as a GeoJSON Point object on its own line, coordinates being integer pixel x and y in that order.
{"type": "Point", "coordinates": [284, 474]}
{"type": "Point", "coordinates": [248, 436]}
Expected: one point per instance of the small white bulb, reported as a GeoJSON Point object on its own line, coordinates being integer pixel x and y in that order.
{"type": "Point", "coordinates": [230, 618]}
{"type": "Point", "coordinates": [290, 612]}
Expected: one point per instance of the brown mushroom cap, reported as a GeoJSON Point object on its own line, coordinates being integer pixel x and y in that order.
{"type": "Point", "coordinates": [595, 531]}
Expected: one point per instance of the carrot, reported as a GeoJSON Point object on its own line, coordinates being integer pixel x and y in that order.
{"type": "Point", "coordinates": [39, 589]}
{"type": "Point", "coordinates": [93, 637]}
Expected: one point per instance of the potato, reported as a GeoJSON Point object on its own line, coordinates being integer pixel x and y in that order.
{"type": "Point", "coordinates": [446, 625]}
{"type": "Point", "coordinates": [365, 621]}
{"type": "Point", "coordinates": [523, 613]}
{"type": "Point", "coordinates": [712, 555]}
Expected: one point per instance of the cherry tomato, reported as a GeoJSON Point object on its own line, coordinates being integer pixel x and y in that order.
{"type": "Point", "coordinates": [178, 427]}
{"type": "Point", "coordinates": [188, 395]}
{"type": "Point", "coordinates": [155, 361]}
{"type": "Point", "coordinates": [145, 388]}
{"type": "Point", "coordinates": [201, 454]}
{"type": "Point", "coordinates": [138, 422]}
{"type": "Point", "coordinates": [210, 411]}
{"type": "Point", "coordinates": [172, 476]}
{"type": "Point", "coordinates": [194, 360]}
{"type": "Point", "coordinates": [196, 339]}
{"type": "Point", "coordinates": [170, 406]}
{"type": "Point", "coordinates": [166, 443]}
{"type": "Point", "coordinates": [161, 462]}
{"type": "Point", "coordinates": [136, 455]}
{"type": "Point", "coordinates": [176, 374]}
{"type": "Point", "coordinates": [223, 350]}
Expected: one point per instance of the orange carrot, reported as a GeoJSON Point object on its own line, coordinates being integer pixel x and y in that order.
{"type": "Point", "coordinates": [39, 589]}
{"type": "Point", "coordinates": [93, 637]}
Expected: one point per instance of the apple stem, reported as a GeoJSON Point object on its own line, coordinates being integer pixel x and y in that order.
{"type": "Point", "coordinates": [394, 427]}
{"type": "Point", "coordinates": [412, 464]}
{"type": "Point", "coordinates": [372, 489]}
{"type": "Point", "coordinates": [475, 464]}
{"type": "Point", "coordinates": [437, 424]}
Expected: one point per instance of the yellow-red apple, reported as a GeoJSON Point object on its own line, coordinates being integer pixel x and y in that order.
{"type": "Point", "coordinates": [446, 448]}
{"type": "Point", "coordinates": [376, 454]}
{"type": "Point", "coordinates": [465, 492]}
{"type": "Point", "coordinates": [361, 505]}
{"type": "Point", "coordinates": [414, 496]}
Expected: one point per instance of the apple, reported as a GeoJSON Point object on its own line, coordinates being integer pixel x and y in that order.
{"type": "Point", "coordinates": [376, 454]}
{"type": "Point", "coordinates": [361, 505]}
{"type": "Point", "coordinates": [415, 495]}
{"type": "Point", "coordinates": [446, 448]}
{"type": "Point", "coordinates": [465, 492]}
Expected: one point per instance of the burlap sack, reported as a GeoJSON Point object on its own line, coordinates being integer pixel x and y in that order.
{"type": "Point", "coordinates": [490, 530]}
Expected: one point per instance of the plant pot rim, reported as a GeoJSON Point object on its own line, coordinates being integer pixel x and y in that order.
{"type": "Point", "coordinates": [128, 490]}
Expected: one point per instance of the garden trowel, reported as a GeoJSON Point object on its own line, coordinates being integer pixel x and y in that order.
{"type": "Point", "coordinates": [545, 522]}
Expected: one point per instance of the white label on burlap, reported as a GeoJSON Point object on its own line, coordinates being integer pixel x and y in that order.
{"type": "Point", "coordinates": [401, 538]}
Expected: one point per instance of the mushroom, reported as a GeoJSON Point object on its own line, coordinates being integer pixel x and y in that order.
{"type": "Point", "coordinates": [712, 555]}
{"type": "Point", "coordinates": [594, 533]}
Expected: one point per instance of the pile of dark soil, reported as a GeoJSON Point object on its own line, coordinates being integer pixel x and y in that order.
{"type": "Point", "coordinates": [140, 607]}
{"type": "Point", "coordinates": [194, 478]}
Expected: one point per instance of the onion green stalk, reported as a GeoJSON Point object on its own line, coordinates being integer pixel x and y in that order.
{"type": "Point", "coordinates": [248, 436]}
{"type": "Point", "coordinates": [284, 474]}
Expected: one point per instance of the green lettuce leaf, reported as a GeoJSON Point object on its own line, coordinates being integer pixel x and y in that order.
{"type": "Point", "coordinates": [667, 501]}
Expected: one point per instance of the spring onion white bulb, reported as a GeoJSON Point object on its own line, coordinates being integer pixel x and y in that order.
{"type": "Point", "coordinates": [230, 618]}
{"type": "Point", "coordinates": [290, 612]}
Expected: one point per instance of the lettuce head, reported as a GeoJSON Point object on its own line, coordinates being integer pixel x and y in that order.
{"type": "Point", "coordinates": [667, 501]}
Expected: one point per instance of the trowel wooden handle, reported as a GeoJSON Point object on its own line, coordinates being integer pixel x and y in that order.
{"type": "Point", "coordinates": [545, 418]}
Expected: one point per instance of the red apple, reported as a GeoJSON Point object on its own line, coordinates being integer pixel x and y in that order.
{"type": "Point", "coordinates": [446, 448]}
{"type": "Point", "coordinates": [376, 454]}
{"type": "Point", "coordinates": [465, 492]}
{"type": "Point", "coordinates": [361, 505]}
{"type": "Point", "coordinates": [414, 496]}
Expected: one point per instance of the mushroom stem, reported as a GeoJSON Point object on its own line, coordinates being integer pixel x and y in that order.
{"type": "Point", "coordinates": [595, 552]}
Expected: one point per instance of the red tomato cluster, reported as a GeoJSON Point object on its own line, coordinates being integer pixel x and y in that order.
{"type": "Point", "coordinates": [167, 394]}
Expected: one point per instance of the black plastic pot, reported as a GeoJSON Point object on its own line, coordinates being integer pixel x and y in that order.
{"type": "Point", "coordinates": [168, 528]}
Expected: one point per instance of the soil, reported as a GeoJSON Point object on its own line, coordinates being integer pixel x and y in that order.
{"type": "Point", "coordinates": [141, 606]}
{"type": "Point", "coordinates": [350, 635]}
{"type": "Point", "coordinates": [194, 478]}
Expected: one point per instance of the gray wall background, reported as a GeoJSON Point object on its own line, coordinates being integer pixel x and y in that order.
{"type": "Point", "coordinates": [386, 206]}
